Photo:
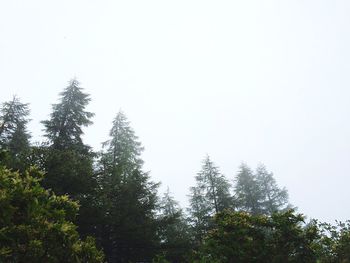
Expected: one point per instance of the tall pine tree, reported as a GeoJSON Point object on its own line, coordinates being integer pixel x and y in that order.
{"type": "Point", "coordinates": [210, 196]}
{"type": "Point", "coordinates": [258, 193]}
{"type": "Point", "coordinates": [174, 232]}
{"type": "Point", "coordinates": [273, 198]}
{"type": "Point", "coordinates": [69, 160]}
{"type": "Point", "coordinates": [14, 137]}
{"type": "Point", "coordinates": [128, 198]}
{"type": "Point", "coordinates": [247, 191]}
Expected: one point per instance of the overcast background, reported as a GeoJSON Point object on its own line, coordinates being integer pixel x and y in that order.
{"type": "Point", "coordinates": [243, 81]}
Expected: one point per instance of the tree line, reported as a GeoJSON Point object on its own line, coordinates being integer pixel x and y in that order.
{"type": "Point", "coordinates": [61, 201]}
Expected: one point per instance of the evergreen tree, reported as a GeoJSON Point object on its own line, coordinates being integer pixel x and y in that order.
{"type": "Point", "coordinates": [215, 186]}
{"type": "Point", "coordinates": [122, 152]}
{"type": "Point", "coordinates": [273, 198]}
{"type": "Point", "coordinates": [69, 161]}
{"type": "Point", "coordinates": [247, 191]}
{"type": "Point", "coordinates": [128, 199]}
{"type": "Point", "coordinates": [174, 233]}
{"type": "Point", "coordinates": [64, 128]}
{"type": "Point", "coordinates": [258, 193]}
{"type": "Point", "coordinates": [211, 195]}
{"type": "Point", "coordinates": [14, 137]}
{"type": "Point", "coordinates": [199, 213]}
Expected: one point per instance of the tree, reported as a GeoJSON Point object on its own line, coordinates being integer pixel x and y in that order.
{"type": "Point", "coordinates": [199, 214]}
{"type": "Point", "coordinates": [273, 198]}
{"type": "Point", "coordinates": [64, 128]}
{"type": "Point", "coordinates": [258, 193]}
{"type": "Point", "coordinates": [247, 191]}
{"type": "Point", "coordinates": [36, 225]}
{"type": "Point", "coordinates": [174, 232]}
{"type": "Point", "coordinates": [69, 161]}
{"type": "Point", "coordinates": [127, 198]}
{"type": "Point", "coordinates": [210, 195]}
{"type": "Point", "coordinates": [14, 137]}
{"type": "Point", "coordinates": [122, 152]}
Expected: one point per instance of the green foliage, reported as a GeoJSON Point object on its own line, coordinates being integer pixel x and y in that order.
{"type": "Point", "coordinates": [161, 258]}
{"type": "Point", "coordinates": [36, 225]}
{"type": "Point", "coordinates": [122, 152]}
{"type": "Point", "coordinates": [120, 207]}
{"type": "Point", "coordinates": [14, 138]}
{"type": "Point", "coordinates": [210, 195]}
{"type": "Point", "coordinates": [334, 243]}
{"type": "Point", "coordinates": [258, 193]}
{"type": "Point", "coordinates": [174, 231]}
{"type": "Point", "coordinates": [242, 237]}
{"type": "Point", "coordinates": [291, 239]}
{"type": "Point", "coordinates": [64, 128]}
{"type": "Point", "coordinates": [127, 198]}
{"type": "Point", "coordinates": [199, 213]}
{"type": "Point", "coordinates": [67, 161]}
{"type": "Point", "coordinates": [238, 236]}
{"type": "Point", "coordinates": [69, 172]}
{"type": "Point", "coordinates": [247, 191]}
{"type": "Point", "coordinates": [273, 198]}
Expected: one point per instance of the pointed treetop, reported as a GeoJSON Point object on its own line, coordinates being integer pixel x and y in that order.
{"type": "Point", "coordinates": [64, 128]}
{"type": "Point", "coordinates": [13, 113]}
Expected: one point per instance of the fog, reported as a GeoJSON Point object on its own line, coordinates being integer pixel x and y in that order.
{"type": "Point", "coordinates": [243, 81]}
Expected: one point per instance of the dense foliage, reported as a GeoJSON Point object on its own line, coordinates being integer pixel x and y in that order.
{"type": "Point", "coordinates": [107, 196]}
{"type": "Point", "coordinates": [36, 225]}
{"type": "Point", "coordinates": [14, 138]}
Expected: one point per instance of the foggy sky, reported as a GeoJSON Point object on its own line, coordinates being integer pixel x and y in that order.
{"type": "Point", "coordinates": [243, 81]}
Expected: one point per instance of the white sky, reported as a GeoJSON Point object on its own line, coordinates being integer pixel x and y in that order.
{"type": "Point", "coordinates": [253, 81]}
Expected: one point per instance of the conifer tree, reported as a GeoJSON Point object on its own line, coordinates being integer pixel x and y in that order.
{"type": "Point", "coordinates": [210, 195]}
{"type": "Point", "coordinates": [175, 232]}
{"type": "Point", "coordinates": [69, 160]}
{"type": "Point", "coordinates": [215, 186]}
{"type": "Point", "coordinates": [199, 213]}
{"type": "Point", "coordinates": [247, 191]}
{"type": "Point", "coordinates": [68, 117]}
{"type": "Point", "coordinates": [273, 198]}
{"type": "Point", "coordinates": [14, 137]}
{"type": "Point", "coordinates": [128, 198]}
{"type": "Point", "coordinates": [258, 193]}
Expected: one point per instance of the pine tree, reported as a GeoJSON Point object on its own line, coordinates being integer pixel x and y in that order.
{"type": "Point", "coordinates": [69, 161]}
{"type": "Point", "coordinates": [259, 193]}
{"type": "Point", "coordinates": [14, 137]}
{"type": "Point", "coordinates": [122, 152]}
{"type": "Point", "coordinates": [64, 128]}
{"type": "Point", "coordinates": [274, 199]}
{"type": "Point", "coordinates": [247, 191]}
{"type": "Point", "coordinates": [199, 213]}
{"type": "Point", "coordinates": [211, 195]}
{"type": "Point", "coordinates": [174, 233]}
{"type": "Point", "coordinates": [128, 198]}
{"type": "Point", "coordinates": [215, 186]}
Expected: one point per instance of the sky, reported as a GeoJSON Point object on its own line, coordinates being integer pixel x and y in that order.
{"type": "Point", "coordinates": [243, 81]}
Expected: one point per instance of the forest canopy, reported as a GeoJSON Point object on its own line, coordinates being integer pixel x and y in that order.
{"type": "Point", "coordinates": [62, 201]}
